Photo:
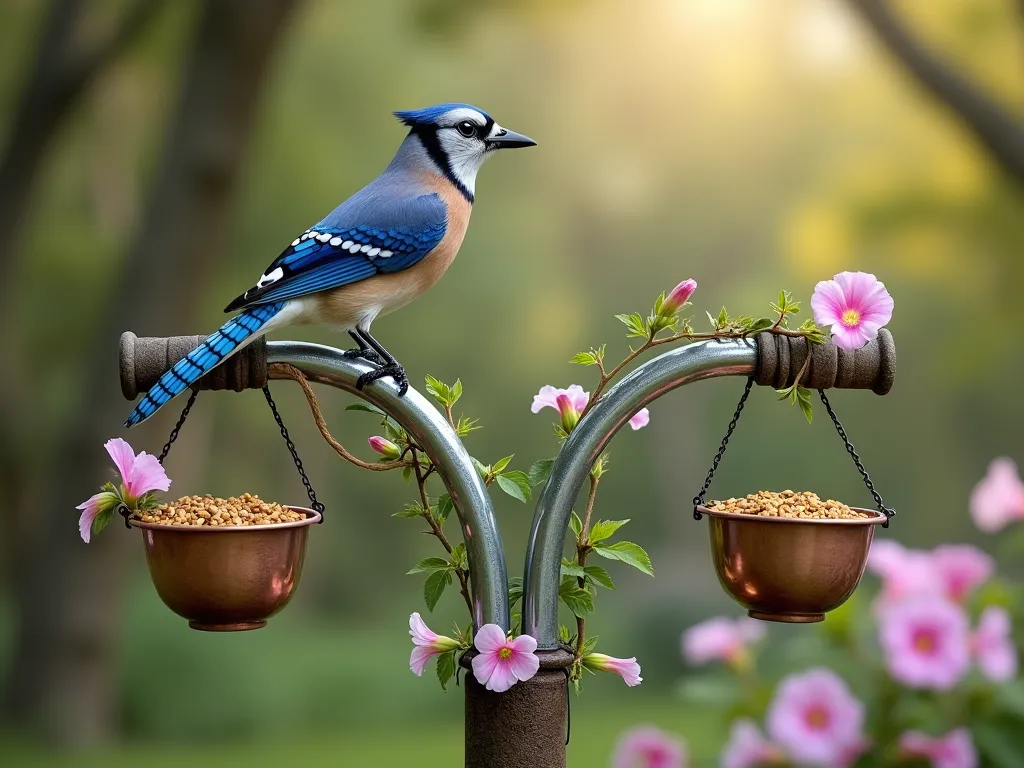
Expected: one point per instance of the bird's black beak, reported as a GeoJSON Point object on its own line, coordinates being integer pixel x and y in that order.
{"type": "Point", "coordinates": [506, 139]}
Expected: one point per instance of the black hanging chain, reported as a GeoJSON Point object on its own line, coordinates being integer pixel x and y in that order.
{"type": "Point", "coordinates": [295, 454]}
{"type": "Point", "coordinates": [889, 512]}
{"type": "Point", "coordinates": [177, 427]}
{"type": "Point", "coordinates": [698, 500]}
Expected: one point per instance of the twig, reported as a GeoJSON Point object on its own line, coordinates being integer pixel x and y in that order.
{"type": "Point", "coordinates": [582, 550]}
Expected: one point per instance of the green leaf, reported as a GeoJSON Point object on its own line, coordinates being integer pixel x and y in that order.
{"type": "Point", "coordinates": [500, 464]}
{"type": "Point", "coordinates": [515, 484]}
{"type": "Point", "coordinates": [481, 469]}
{"type": "Point", "coordinates": [563, 634]}
{"type": "Point", "coordinates": [576, 524]}
{"type": "Point", "coordinates": [584, 358]}
{"type": "Point", "coordinates": [635, 324]}
{"type": "Point", "coordinates": [761, 324]}
{"type": "Point", "coordinates": [539, 471]}
{"type": "Point", "coordinates": [366, 408]}
{"type": "Point", "coordinates": [628, 553]}
{"type": "Point", "coordinates": [410, 510]}
{"type": "Point", "coordinates": [723, 318]}
{"type": "Point", "coordinates": [578, 600]}
{"type": "Point", "coordinates": [803, 397]}
{"type": "Point", "coordinates": [602, 529]}
{"type": "Point", "coordinates": [465, 425]}
{"type": "Point", "coordinates": [588, 645]}
{"type": "Point", "coordinates": [600, 576]}
{"type": "Point", "coordinates": [445, 506]}
{"type": "Point", "coordinates": [406, 474]}
{"type": "Point", "coordinates": [438, 389]}
{"type": "Point", "coordinates": [515, 590]}
{"type": "Point", "coordinates": [102, 520]}
{"type": "Point", "coordinates": [445, 668]}
{"type": "Point", "coordinates": [572, 569]}
{"type": "Point", "coordinates": [434, 587]}
{"type": "Point", "coordinates": [456, 391]}
{"type": "Point", "coordinates": [430, 564]}
{"type": "Point", "coordinates": [459, 559]}
{"type": "Point", "coordinates": [711, 318]}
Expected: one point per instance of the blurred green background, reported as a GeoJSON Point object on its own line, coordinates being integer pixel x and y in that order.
{"type": "Point", "coordinates": [160, 154]}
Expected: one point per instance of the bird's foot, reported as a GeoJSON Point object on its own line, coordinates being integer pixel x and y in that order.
{"type": "Point", "coordinates": [394, 370]}
{"type": "Point", "coordinates": [364, 354]}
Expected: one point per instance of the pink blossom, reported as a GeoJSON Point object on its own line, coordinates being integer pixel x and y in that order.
{"type": "Point", "coordinates": [993, 647]}
{"type": "Point", "coordinates": [648, 747]}
{"type": "Point", "coordinates": [91, 508]}
{"type": "Point", "coordinates": [428, 644]}
{"type": "Point", "coordinates": [747, 748]}
{"type": "Point", "coordinates": [571, 402]}
{"type": "Point", "coordinates": [961, 569]}
{"type": "Point", "coordinates": [677, 297]}
{"type": "Point", "coordinates": [925, 640]}
{"type": "Point", "coordinates": [627, 669]}
{"type": "Point", "coordinates": [903, 571]}
{"type": "Point", "coordinates": [954, 750]}
{"type": "Point", "coordinates": [721, 638]}
{"type": "Point", "coordinates": [503, 662]}
{"type": "Point", "coordinates": [998, 499]}
{"type": "Point", "coordinates": [816, 719]}
{"type": "Point", "coordinates": [139, 474]}
{"type": "Point", "coordinates": [384, 447]}
{"type": "Point", "coordinates": [855, 304]}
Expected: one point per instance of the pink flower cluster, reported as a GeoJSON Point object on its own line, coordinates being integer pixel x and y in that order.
{"type": "Point", "coordinates": [722, 639]}
{"type": "Point", "coordinates": [998, 499]}
{"type": "Point", "coordinates": [649, 747]}
{"type": "Point", "coordinates": [923, 627]}
{"type": "Point", "coordinates": [954, 750]}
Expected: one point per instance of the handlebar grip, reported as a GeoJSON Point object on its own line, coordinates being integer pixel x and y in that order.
{"type": "Point", "coordinates": [780, 358]}
{"type": "Point", "coordinates": [145, 360]}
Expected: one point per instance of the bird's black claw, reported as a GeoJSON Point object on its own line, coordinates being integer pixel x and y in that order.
{"type": "Point", "coordinates": [363, 354]}
{"type": "Point", "coordinates": [394, 370]}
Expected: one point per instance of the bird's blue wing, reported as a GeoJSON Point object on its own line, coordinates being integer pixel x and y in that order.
{"type": "Point", "coordinates": [352, 244]}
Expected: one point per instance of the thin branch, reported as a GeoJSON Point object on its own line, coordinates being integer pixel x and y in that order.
{"type": "Point", "coordinates": [998, 130]}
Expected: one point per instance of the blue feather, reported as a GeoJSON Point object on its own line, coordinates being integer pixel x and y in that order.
{"type": "Point", "coordinates": [430, 115]}
{"type": "Point", "coordinates": [204, 358]}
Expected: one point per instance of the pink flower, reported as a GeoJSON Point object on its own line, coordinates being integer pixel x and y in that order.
{"type": "Point", "coordinates": [722, 639]}
{"type": "Point", "coordinates": [925, 640]}
{"type": "Point", "coordinates": [627, 669]}
{"type": "Point", "coordinates": [648, 747]}
{"type": "Point", "coordinates": [993, 646]}
{"type": "Point", "coordinates": [427, 644]}
{"type": "Point", "coordinates": [503, 662]}
{"type": "Point", "coordinates": [816, 719]}
{"type": "Point", "coordinates": [384, 447]}
{"type": "Point", "coordinates": [139, 474]}
{"type": "Point", "coordinates": [954, 750]}
{"type": "Point", "coordinates": [855, 304]}
{"type": "Point", "coordinates": [998, 499]}
{"type": "Point", "coordinates": [903, 571]}
{"type": "Point", "coordinates": [571, 402]}
{"type": "Point", "coordinates": [747, 748]}
{"type": "Point", "coordinates": [677, 297]}
{"type": "Point", "coordinates": [91, 508]}
{"type": "Point", "coordinates": [961, 568]}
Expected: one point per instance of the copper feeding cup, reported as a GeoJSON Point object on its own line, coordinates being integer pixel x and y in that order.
{"type": "Point", "coordinates": [786, 569]}
{"type": "Point", "coordinates": [229, 578]}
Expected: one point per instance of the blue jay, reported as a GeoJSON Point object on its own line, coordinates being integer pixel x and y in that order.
{"type": "Point", "coordinates": [371, 255]}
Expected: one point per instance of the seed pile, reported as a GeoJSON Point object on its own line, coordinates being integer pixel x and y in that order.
{"type": "Point", "coordinates": [208, 510]}
{"type": "Point", "coordinates": [788, 504]}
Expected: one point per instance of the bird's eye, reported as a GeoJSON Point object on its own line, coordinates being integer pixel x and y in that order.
{"type": "Point", "coordinates": [466, 128]}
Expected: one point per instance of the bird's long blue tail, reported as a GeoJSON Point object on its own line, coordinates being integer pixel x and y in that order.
{"type": "Point", "coordinates": [217, 347]}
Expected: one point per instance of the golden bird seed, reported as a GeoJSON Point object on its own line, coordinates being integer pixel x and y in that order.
{"type": "Point", "coordinates": [243, 510]}
{"type": "Point", "coordinates": [803, 504]}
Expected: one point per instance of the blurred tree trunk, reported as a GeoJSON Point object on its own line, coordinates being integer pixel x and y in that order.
{"type": "Point", "coordinates": [1000, 132]}
{"type": "Point", "coordinates": [68, 595]}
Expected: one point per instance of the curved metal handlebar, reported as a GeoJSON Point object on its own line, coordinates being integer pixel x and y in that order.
{"type": "Point", "coordinates": [144, 360]}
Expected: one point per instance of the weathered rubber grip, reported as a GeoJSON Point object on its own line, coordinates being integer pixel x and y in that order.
{"type": "Point", "coordinates": [524, 726]}
{"type": "Point", "coordinates": [145, 360]}
{"type": "Point", "coordinates": [780, 358]}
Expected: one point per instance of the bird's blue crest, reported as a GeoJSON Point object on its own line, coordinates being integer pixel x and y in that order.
{"type": "Point", "coordinates": [430, 115]}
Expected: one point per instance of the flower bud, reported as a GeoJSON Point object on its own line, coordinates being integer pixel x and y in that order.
{"type": "Point", "coordinates": [677, 297]}
{"type": "Point", "coordinates": [570, 416]}
{"type": "Point", "coordinates": [384, 447]}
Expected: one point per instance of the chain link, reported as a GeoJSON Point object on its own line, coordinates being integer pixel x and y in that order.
{"type": "Point", "coordinates": [889, 512]}
{"type": "Point", "coordinates": [295, 455]}
{"type": "Point", "coordinates": [177, 427]}
{"type": "Point", "coordinates": [698, 500]}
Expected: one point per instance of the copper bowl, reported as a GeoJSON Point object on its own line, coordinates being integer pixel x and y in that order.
{"type": "Point", "coordinates": [226, 579]}
{"type": "Point", "coordinates": [789, 569]}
